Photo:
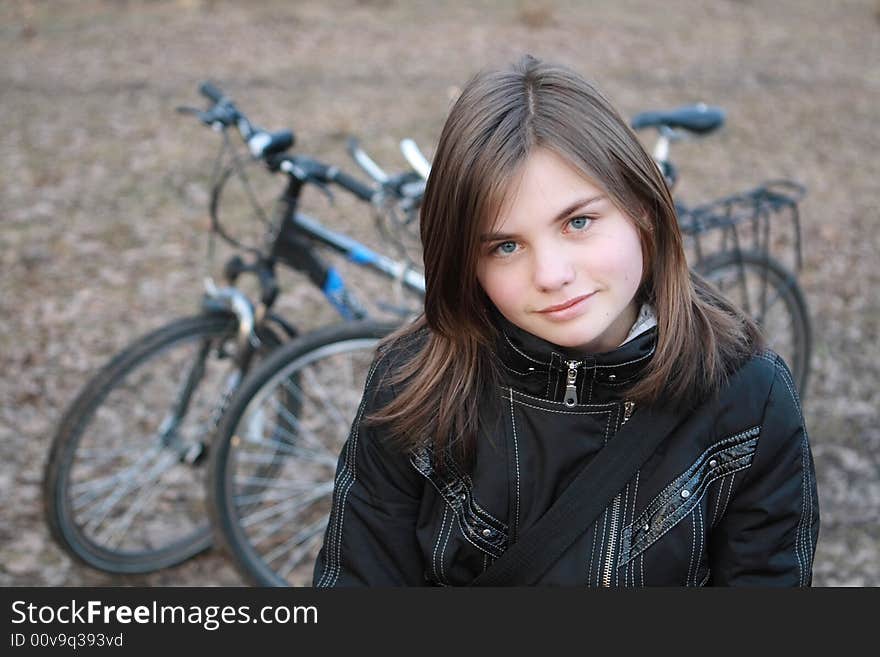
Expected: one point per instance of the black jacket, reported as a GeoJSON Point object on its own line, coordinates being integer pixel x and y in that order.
{"type": "Point", "coordinates": [729, 498]}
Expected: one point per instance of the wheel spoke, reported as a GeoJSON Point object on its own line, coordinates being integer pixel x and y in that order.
{"type": "Point", "coordinates": [285, 451]}
{"type": "Point", "coordinates": [120, 499]}
{"type": "Point", "coordinates": [286, 506]}
{"type": "Point", "coordinates": [307, 543]}
{"type": "Point", "coordinates": [300, 427]}
{"type": "Point", "coordinates": [296, 451]}
{"type": "Point", "coordinates": [255, 435]}
{"type": "Point", "coordinates": [87, 491]}
{"type": "Point", "coordinates": [116, 531]}
{"type": "Point", "coordinates": [268, 495]}
{"type": "Point", "coordinates": [165, 461]}
{"type": "Point", "coordinates": [104, 455]}
{"type": "Point", "coordinates": [326, 399]}
{"type": "Point", "coordinates": [266, 482]}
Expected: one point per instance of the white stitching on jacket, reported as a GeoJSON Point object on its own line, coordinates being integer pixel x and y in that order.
{"type": "Point", "coordinates": [706, 578]}
{"type": "Point", "coordinates": [510, 369]}
{"type": "Point", "coordinates": [552, 410]}
{"type": "Point", "coordinates": [630, 362]}
{"type": "Point", "coordinates": [803, 532]}
{"type": "Point", "coordinates": [474, 508]}
{"type": "Point", "coordinates": [808, 493]}
{"type": "Point", "coordinates": [333, 564]}
{"type": "Point", "coordinates": [423, 467]}
{"type": "Point", "coordinates": [459, 483]}
{"type": "Point", "coordinates": [583, 384]}
{"type": "Point", "coordinates": [661, 498]}
{"type": "Point", "coordinates": [561, 357]}
{"type": "Point", "coordinates": [702, 535]}
{"type": "Point", "coordinates": [517, 393]}
{"type": "Point", "coordinates": [729, 489]}
{"type": "Point", "coordinates": [464, 528]}
{"type": "Point", "coordinates": [806, 535]}
{"type": "Point", "coordinates": [601, 548]}
{"type": "Point", "coordinates": [620, 538]}
{"type": "Point", "coordinates": [643, 548]}
{"type": "Point", "coordinates": [718, 496]}
{"type": "Point", "coordinates": [437, 544]}
{"type": "Point", "coordinates": [521, 352]}
{"type": "Point", "coordinates": [592, 552]}
{"type": "Point", "coordinates": [445, 579]}
{"type": "Point", "coordinates": [516, 460]}
{"type": "Point", "coordinates": [632, 518]}
{"type": "Point", "coordinates": [687, 580]}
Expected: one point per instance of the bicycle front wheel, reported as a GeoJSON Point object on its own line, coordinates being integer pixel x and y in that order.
{"type": "Point", "coordinates": [770, 294]}
{"type": "Point", "coordinates": [273, 464]}
{"type": "Point", "coordinates": [123, 489]}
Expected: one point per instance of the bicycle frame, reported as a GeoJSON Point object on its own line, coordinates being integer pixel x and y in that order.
{"type": "Point", "coordinates": [294, 244]}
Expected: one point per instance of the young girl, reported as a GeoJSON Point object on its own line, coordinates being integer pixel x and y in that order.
{"type": "Point", "coordinates": [559, 303]}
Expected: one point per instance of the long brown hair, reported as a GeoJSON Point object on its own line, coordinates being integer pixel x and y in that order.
{"type": "Point", "coordinates": [494, 125]}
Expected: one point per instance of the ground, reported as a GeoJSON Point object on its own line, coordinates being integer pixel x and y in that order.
{"type": "Point", "coordinates": [104, 187]}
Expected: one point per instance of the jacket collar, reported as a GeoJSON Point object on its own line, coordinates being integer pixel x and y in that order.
{"type": "Point", "coordinates": [536, 366]}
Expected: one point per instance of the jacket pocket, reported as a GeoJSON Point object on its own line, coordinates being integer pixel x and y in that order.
{"type": "Point", "coordinates": [478, 527]}
{"type": "Point", "coordinates": [680, 497]}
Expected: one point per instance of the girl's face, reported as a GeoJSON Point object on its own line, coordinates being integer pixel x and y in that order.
{"type": "Point", "coordinates": [562, 262]}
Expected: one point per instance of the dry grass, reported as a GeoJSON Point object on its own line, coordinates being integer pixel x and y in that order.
{"type": "Point", "coordinates": [103, 187]}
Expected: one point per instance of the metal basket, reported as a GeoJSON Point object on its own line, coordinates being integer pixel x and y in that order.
{"type": "Point", "coordinates": [754, 220]}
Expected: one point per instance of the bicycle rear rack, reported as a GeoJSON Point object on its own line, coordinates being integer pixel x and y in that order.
{"type": "Point", "coordinates": [753, 211]}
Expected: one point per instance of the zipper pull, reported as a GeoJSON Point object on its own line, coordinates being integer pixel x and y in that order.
{"type": "Point", "coordinates": [628, 408]}
{"type": "Point", "coordinates": [571, 397]}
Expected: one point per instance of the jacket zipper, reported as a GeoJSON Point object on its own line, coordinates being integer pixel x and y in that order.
{"type": "Point", "coordinates": [571, 397]}
{"type": "Point", "coordinates": [628, 408]}
{"type": "Point", "coordinates": [612, 541]}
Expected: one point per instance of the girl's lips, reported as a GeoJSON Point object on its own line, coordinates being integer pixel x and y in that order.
{"type": "Point", "coordinates": [567, 304]}
{"type": "Point", "coordinates": [568, 310]}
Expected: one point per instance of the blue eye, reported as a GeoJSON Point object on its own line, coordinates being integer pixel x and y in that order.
{"type": "Point", "coordinates": [505, 248]}
{"type": "Point", "coordinates": [579, 223]}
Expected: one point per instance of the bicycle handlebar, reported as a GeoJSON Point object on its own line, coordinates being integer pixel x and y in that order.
{"type": "Point", "coordinates": [407, 186]}
{"type": "Point", "coordinates": [270, 147]}
{"type": "Point", "coordinates": [365, 162]}
{"type": "Point", "coordinates": [308, 169]}
{"type": "Point", "coordinates": [416, 159]}
{"type": "Point", "coordinates": [353, 185]}
{"type": "Point", "coordinates": [211, 92]}
{"type": "Point", "coordinates": [261, 143]}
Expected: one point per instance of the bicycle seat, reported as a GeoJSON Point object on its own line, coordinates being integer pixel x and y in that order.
{"type": "Point", "coordinates": [700, 119]}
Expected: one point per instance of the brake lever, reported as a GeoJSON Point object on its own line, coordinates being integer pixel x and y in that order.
{"type": "Point", "coordinates": [325, 188]}
{"type": "Point", "coordinates": [209, 118]}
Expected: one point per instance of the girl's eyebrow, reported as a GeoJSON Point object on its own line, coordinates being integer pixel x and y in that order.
{"type": "Point", "coordinates": [577, 205]}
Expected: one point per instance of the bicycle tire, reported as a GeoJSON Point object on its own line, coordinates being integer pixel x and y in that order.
{"type": "Point", "coordinates": [786, 327]}
{"type": "Point", "coordinates": [272, 527]}
{"type": "Point", "coordinates": [167, 499]}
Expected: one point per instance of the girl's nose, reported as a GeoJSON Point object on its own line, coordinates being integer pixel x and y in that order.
{"type": "Point", "coordinates": [552, 271]}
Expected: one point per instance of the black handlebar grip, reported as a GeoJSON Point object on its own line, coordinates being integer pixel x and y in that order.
{"type": "Point", "coordinates": [353, 185]}
{"type": "Point", "coordinates": [210, 91]}
{"type": "Point", "coordinates": [278, 142]}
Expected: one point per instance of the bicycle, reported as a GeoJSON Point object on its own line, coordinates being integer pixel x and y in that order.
{"type": "Point", "coordinates": [272, 527]}
{"type": "Point", "coordinates": [121, 487]}
{"type": "Point", "coordinates": [747, 274]}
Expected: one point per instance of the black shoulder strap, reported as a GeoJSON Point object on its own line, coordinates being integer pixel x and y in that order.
{"type": "Point", "coordinates": [583, 500]}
